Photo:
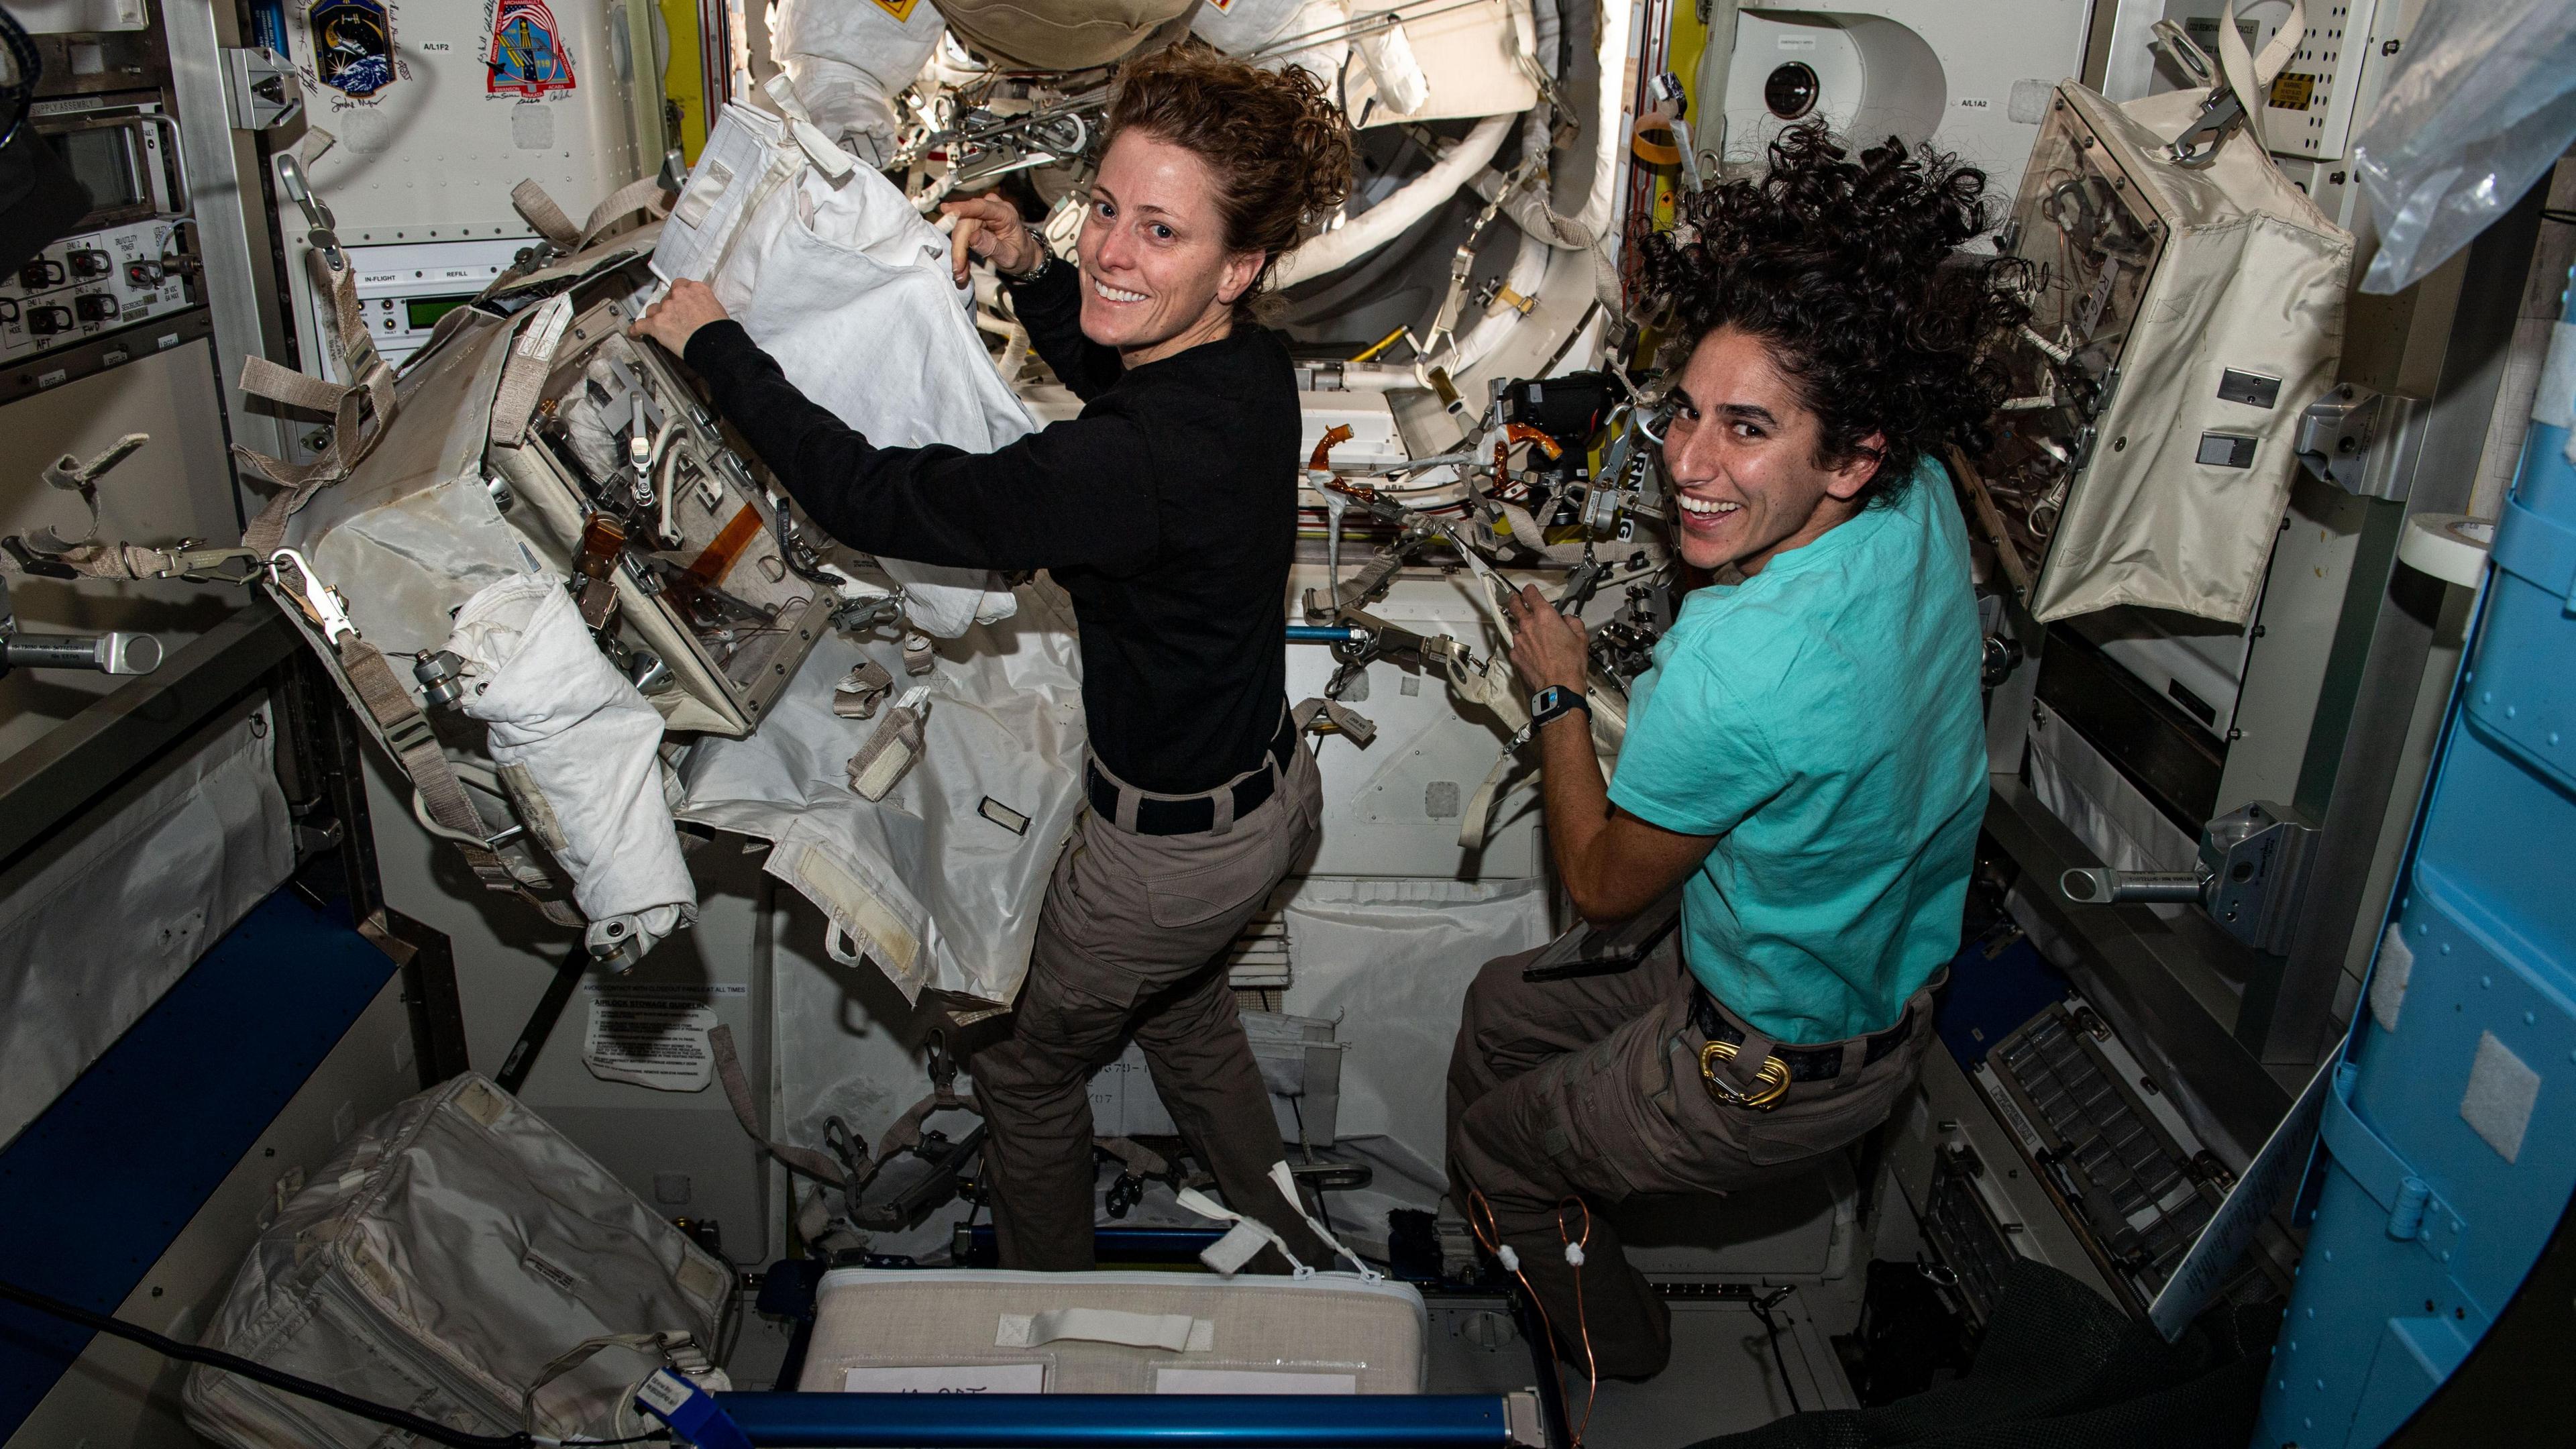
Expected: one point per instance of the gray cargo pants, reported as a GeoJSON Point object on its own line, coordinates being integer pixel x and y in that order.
{"type": "Point", "coordinates": [1127, 945]}
{"type": "Point", "coordinates": [1589, 1089]}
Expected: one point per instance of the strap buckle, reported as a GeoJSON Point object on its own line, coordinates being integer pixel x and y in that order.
{"type": "Point", "coordinates": [1769, 1084]}
{"type": "Point", "coordinates": [314, 596]}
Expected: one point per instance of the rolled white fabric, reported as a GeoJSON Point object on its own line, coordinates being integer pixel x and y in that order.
{"type": "Point", "coordinates": [561, 719]}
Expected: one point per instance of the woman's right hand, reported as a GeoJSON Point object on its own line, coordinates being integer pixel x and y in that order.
{"type": "Point", "coordinates": [989, 227]}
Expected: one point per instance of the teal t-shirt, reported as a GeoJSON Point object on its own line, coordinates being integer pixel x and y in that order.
{"type": "Point", "coordinates": [1822, 719]}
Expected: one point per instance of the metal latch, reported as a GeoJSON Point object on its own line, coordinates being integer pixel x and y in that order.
{"type": "Point", "coordinates": [2253, 873]}
{"type": "Point", "coordinates": [262, 88]}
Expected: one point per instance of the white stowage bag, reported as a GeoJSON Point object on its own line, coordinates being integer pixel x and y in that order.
{"type": "Point", "coordinates": [848, 59]}
{"type": "Point", "coordinates": [578, 747]}
{"type": "Point", "coordinates": [938, 883]}
{"type": "Point", "coordinates": [442, 1260]}
{"type": "Point", "coordinates": [850, 290]}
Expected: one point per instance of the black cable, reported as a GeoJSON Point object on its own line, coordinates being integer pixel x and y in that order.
{"type": "Point", "coordinates": [302, 1388]}
{"type": "Point", "coordinates": [1762, 1309]}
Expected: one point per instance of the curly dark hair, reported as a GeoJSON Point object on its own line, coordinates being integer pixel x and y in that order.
{"type": "Point", "coordinates": [1851, 272]}
{"type": "Point", "coordinates": [1282, 149]}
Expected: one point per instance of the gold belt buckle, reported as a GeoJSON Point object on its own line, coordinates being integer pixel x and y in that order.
{"type": "Point", "coordinates": [1769, 1084]}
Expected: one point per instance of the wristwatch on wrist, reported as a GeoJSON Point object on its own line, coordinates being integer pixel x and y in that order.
{"type": "Point", "coordinates": [1046, 258]}
{"type": "Point", "coordinates": [1554, 701]}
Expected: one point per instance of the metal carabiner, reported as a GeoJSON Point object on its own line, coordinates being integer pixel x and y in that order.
{"type": "Point", "coordinates": [314, 596]}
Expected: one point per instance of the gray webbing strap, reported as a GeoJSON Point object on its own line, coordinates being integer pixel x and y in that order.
{"type": "Point", "coordinates": [737, 1089]}
{"type": "Point", "coordinates": [538, 210]}
{"type": "Point", "coordinates": [523, 377]}
{"type": "Point", "coordinates": [644, 195]}
{"type": "Point", "coordinates": [1359, 727]}
{"type": "Point", "coordinates": [415, 744]}
{"type": "Point", "coordinates": [360, 410]}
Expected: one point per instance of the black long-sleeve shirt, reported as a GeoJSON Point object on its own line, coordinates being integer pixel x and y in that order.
{"type": "Point", "coordinates": [1167, 510]}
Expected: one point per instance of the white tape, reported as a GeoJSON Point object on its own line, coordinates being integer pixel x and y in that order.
{"type": "Point", "coordinates": [1174, 1332]}
{"type": "Point", "coordinates": [2451, 547]}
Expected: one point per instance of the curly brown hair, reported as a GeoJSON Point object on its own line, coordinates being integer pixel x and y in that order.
{"type": "Point", "coordinates": [1280, 148]}
{"type": "Point", "coordinates": [1851, 271]}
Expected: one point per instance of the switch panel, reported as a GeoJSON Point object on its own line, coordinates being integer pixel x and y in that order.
{"type": "Point", "coordinates": [87, 284]}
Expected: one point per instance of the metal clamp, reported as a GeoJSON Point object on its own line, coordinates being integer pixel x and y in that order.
{"type": "Point", "coordinates": [1769, 1084]}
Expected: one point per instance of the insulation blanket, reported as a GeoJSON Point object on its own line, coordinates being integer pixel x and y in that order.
{"type": "Point", "coordinates": [442, 1260]}
{"type": "Point", "coordinates": [850, 291]}
{"type": "Point", "coordinates": [938, 883]}
{"type": "Point", "coordinates": [577, 747]}
{"type": "Point", "coordinates": [1390, 961]}
{"type": "Point", "coordinates": [97, 929]}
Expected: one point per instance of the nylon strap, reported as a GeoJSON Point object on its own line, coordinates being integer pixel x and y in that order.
{"type": "Point", "coordinates": [1359, 727]}
{"type": "Point", "coordinates": [539, 211]}
{"type": "Point", "coordinates": [361, 411]}
{"type": "Point", "coordinates": [523, 377]}
{"type": "Point", "coordinates": [644, 194]}
{"type": "Point", "coordinates": [415, 746]}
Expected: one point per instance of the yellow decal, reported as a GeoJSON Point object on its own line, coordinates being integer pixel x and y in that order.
{"type": "Point", "coordinates": [901, 10]}
{"type": "Point", "coordinates": [2291, 92]}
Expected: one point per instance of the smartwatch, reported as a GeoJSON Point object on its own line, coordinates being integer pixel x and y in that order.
{"type": "Point", "coordinates": [1554, 701]}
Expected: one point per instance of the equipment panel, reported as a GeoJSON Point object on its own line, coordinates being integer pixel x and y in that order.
{"type": "Point", "coordinates": [90, 283]}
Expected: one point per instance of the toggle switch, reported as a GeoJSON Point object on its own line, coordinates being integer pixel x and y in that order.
{"type": "Point", "coordinates": [95, 307]}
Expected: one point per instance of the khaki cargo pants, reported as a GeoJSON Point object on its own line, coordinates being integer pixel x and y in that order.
{"type": "Point", "coordinates": [1589, 1089]}
{"type": "Point", "coordinates": [1128, 945]}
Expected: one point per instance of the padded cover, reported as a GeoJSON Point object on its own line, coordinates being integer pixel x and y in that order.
{"type": "Point", "coordinates": [2253, 277]}
{"type": "Point", "coordinates": [1326, 1323]}
{"type": "Point", "coordinates": [439, 1261]}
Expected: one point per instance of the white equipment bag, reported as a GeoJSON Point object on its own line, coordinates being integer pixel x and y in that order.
{"type": "Point", "coordinates": [845, 285]}
{"type": "Point", "coordinates": [444, 1260]}
{"type": "Point", "coordinates": [2184, 491]}
{"type": "Point", "coordinates": [955, 1330]}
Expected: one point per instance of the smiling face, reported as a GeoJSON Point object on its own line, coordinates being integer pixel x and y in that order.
{"type": "Point", "coordinates": [1157, 275]}
{"type": "Point", "coordinates": [1742, 454]}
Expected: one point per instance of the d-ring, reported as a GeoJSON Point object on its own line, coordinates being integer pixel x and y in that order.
{"type": "Point", "coordinates": [1768, 1084]}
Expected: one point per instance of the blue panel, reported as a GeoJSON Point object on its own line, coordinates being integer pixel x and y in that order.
{"type": "Point", "coordinates": [93, 1191]}
{"type": "Point", "coordinates": [1029, 1421]}
{"type": "Point", "coordinates": [1991, 998]}
{"type": "Point", "coordinates": [2426, 1226]}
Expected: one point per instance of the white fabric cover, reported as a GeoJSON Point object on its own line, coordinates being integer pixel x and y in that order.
{"type": "Point", "coordinates": [1239, 27]}
{"type": "Point", "coordinates": [97, 929]}
{"type": "Point", "coordinates": [446, 1253]}
{"type": "Point", "coordinates": [1329, 1323]}
{"type": "Point", "coordinates": [848, 59]}
{"type": "Point", "coordinates": [1390, 961]}
{"type": "Point", "coordinates": [939, 895]}
{"type": "Point", "coordinates": [553, 706]}
{"type": "Point", "coordinates": [850, 290]}
{"type": "Point", "coordinates": [2253, 277]}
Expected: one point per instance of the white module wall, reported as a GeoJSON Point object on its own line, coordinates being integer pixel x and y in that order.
{"type": "Point", "coordinates": [1970, 78]}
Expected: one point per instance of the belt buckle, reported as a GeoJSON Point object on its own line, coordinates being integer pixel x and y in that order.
{"type": "Point", "coordinates": [1770, 1084]}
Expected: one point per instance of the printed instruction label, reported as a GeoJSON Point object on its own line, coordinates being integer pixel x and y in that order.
{"type": "Point", "coordinates": [654, 1035]}
{"type": "Point", "coordinates": [976, 1378]}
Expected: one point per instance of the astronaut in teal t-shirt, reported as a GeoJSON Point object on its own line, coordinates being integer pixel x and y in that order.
{"type": "Point", "coordinates": [1806, 759]}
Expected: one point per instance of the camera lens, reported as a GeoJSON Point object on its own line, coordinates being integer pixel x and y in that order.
{"type": "Point", "coordinates": [1791, 91]}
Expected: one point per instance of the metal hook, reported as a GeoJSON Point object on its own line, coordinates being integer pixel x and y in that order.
{"type": "Point", "coordinates": [319, 603]}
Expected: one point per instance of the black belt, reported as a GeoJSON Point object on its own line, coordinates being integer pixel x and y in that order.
{"type": "Point", "coordinates": [1805, 1064]}
{"type": "Point", "coordinates": [1196, 815]}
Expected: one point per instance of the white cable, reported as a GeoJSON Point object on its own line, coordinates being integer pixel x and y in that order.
{"type": "Point", "coordinates": [1389, 219]}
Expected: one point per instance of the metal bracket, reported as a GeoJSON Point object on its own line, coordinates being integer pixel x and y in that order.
{"type": "Point", "coordinates": [261, 87]}
{"type": "Point", "coordinates": [2336, 440]}
{"type": "Point", "coordinates": [2253, 874]}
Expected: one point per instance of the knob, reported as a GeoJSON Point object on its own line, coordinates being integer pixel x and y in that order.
{"type": "Point", "coordinates": [144, 274]}
{"type": "Point", "coordinates": [88, 262]}
{"type": "Point", "coordinates": [48, 320]}
{"type": "Point", "coordinates": [95, 307]}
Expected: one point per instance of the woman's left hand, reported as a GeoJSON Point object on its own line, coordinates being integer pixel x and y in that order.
{"type": "Point", "coordinates": [1547, 647]}
{"type": "Point", "coordinates": [677, 317]}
